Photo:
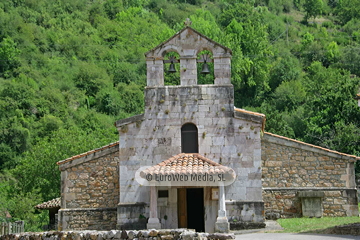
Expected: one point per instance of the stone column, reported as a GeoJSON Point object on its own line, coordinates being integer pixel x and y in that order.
{"type": "Point", "coordinates": [222, 70]}
{"type": "Point", "coordinates": [155, 72]}
{"type": "Point", "coordinates": [153, 221]}
{"type": "Point", "coordinates": [222, 224]}
{"type": "Point", "coordinates": [188, 71]}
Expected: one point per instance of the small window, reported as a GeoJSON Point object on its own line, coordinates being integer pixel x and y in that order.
{"type": "Point", "coordinates": [189, 138]}
{"type": "Point", "coordinates": [163, 193]}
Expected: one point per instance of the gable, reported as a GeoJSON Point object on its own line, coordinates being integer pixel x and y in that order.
{"type": "Point", "coordinates": [186, 42]}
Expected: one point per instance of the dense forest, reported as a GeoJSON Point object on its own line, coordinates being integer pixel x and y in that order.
{"type": "Point", "coordinates": [70, 68]}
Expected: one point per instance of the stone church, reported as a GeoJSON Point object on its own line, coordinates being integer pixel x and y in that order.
{"type": "Point", "coordinates": [194, 160]}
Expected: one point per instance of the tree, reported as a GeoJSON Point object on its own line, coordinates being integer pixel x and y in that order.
{"type": "Point", "coordinates": [350, 59]}
{"type": "Point", "coordinates": [347, 10]}
{"type": "Point", "coordinates": [313, 8]}
{"type": "Point", "coordinates": [246, 34]}
{"type": "Point", "coordinates": [37, 169]}
{"type": "Point", "coordinates": [332, 115]}
{"type": "Point", "coordinates": [8, 56]}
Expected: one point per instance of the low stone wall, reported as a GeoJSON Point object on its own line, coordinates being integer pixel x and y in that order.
{"type": "Point", "coordinates": [90, 219]}
{"type": "Point", "coordinates": [286, 203]}
{"type": "Point", "coordinates": [164, 234]}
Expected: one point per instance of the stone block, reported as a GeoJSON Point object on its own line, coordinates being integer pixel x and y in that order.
{"type": "Point", "coordinates": [188, 235]}
{"type": "Point", "coordinates": [311, 194]}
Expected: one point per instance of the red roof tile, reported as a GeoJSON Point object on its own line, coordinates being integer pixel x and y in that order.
{"type": "Point", "coordinates": [54, 203]}
{"type": "Point", "coordinates": [187, 163]}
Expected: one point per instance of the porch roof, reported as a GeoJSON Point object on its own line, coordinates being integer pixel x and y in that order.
{"type": "Point", "coordinates": [187, 163]}
{"type": "Point", "coordinates": [54, 203]}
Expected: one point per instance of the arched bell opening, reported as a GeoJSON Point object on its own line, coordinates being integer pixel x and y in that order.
{"type": "Point", "coordinates": [171, 68]}
{"type": "Point", "coordinates": [205, 67]}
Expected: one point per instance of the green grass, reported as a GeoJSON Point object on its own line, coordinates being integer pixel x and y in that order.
{"type": "Point", "coordinates": [314, 225]}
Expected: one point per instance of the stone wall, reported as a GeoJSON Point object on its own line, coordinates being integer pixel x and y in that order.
{"type": "Point", "coordinates": [91, 182]}
{"type": "Point", "coordinates": [90, 190]}
{"type": "Point", "coordinates": [287, 204]}
{"type": "Point", "coordinates": [89, 219]}
{"type": "Point", "coordinates": [290, 167]}
{"type": "Point", "coordinates": [165, 234]}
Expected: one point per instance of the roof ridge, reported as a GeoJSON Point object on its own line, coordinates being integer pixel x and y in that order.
{"type": "Point", "coordinates": [186, 166]}
{"type": "Point", "coordinates": [250, 112]}
{"type": "Point", "coordinates": [87, 153]}
{"type": "Point", "coordinates": [182, 30]}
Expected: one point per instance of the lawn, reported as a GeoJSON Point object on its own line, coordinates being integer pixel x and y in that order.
{"type": "Point", "coordinates": [315, 225]}
{"type": "Point", "coordinates": [318, 225]}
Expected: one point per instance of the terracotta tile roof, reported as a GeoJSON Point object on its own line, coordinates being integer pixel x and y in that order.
{"type": "Point", "coordinates": [187, 163]}
{"type": "Point", "coordinates": [87, 153]}
{"type": "Point", "coordinates": [54, 203]}
{"type": "Point", "coordinates": [314, 146]}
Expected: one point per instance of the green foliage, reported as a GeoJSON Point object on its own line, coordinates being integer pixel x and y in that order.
{"type": "Point", "coordinates": [70, 68]}
{"type": "Point", "coordinates": [91, 78]}
{"type": "Point", "coordinates": [331, 109]}
{"type": "Point", "coordinates": [332, 54]}
{"type": "Point", "coordinates": [19, 210]}
{"type": "Point", "coordinates": [38, 170]}
{"type": "Point", "coordinates": [285, 68]}
{"type": "Point", "coordinates": [8, 56]}
{"type": "Point", "coordinates": [313, 8]}
{"type": "Point", "coordinates": [347, 10]}
{"type": "Point", "coordinates": [350, 59]}
{"type": "Point", "coordinates": [246, 35]}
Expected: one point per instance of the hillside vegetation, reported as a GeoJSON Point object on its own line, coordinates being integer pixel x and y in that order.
{"type": "Point", "coordinates": [70, 68]}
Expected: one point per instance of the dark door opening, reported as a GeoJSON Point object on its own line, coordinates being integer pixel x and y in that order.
{"type": "Point", "coordinates": [195, 209]}
{"type": "Point", "coordinates": [191, 208]}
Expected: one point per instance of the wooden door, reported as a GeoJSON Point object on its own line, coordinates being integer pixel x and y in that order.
{"type": "Point", "coordinates": [182, 216]}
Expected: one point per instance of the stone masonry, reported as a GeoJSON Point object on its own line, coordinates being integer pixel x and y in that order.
{"type": "Point", "coordinates": [89, 218]}
{"type": "Point", "coordinates": [151, 234]}
{"type": "Point", "coordinates": [276, 177]}
{"type": "Point", "coordinates": [90, 189]}
{"type": "Point", "coordinates": [291, 167]}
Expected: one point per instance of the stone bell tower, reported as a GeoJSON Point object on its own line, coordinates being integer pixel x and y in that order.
{"type": "Point", "coordinates": [188, 43]}
{"type": "Point", "coordinates": [194, 119]}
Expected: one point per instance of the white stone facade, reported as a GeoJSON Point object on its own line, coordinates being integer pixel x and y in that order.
{"type": "Point", "coordinates": [226, 136]}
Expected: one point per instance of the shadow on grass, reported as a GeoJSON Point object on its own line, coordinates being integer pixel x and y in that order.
{"type": "Point", "coordinates": [347, 229]}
